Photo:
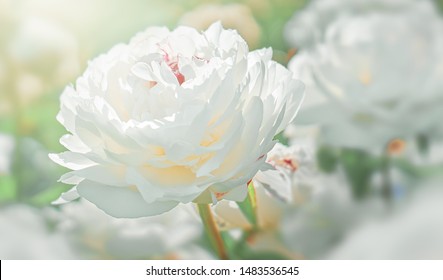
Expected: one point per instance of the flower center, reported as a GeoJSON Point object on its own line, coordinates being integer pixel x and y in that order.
{"type": "Point", "coordinates": [172, 62]}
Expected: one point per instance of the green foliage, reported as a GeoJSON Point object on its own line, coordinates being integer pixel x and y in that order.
{"type": "Point", "coordinates": [239, 249]}
{"type": "Point", "coordinates": [327, 158]}
{"type": "Point", "coordinates": [8, 188]}
{"type": "Point", "coordinates": [359, 166]}
{"type": "Point", "coordinates": [281, 138]}
{"type": "Point", "coordinates": [423, 144]}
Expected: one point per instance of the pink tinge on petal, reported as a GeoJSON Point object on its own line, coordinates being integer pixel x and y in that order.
{"type": "Point", "coordinates": [173, 64]}
{"type": "Point", "coordinates": [289, 163]}
{"type": "Point", "coordinates": [180, 77]}
{"type": "Point", "coordinates": [150, 84]}
{"type": "Point", "coordinates": [220, 195]}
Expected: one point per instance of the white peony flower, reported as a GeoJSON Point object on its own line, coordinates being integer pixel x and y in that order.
{"type": "Point", "coordinates": [309, 25]}
{"type": "Point", "coordinates": [413, 231]}
{"type": "Point", "coordinates": [376, 77]}
{"type": "Point", "coordinates": [25, 234]}
{"type": "Point", "coordinates": [93, 234]}
{"type": "Point", "coordinates": [173, 117]}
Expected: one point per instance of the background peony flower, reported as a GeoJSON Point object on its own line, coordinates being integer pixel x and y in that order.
{"type": "Point", "coordinates": [42, 55]}
{"type": "Point", "coordinates": [376, 77]}
{"type": "Point", "coordinates": [25, 234]}
{"type": "Point", "coordinates": [308, 27]}
{"type": "Point", "coordinates": [173, 117]}
{"type": "Point", "coordinates": [93, 234]}
{"type": "Point", "coordinates": [315, 227]}
{"type": "Point", "coordinates": [413, 231]}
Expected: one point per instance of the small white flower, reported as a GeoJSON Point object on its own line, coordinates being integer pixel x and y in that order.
{"type": "Point", "coordinates": [173, 117]}
{"type": "Point", "coordinates": [94, 234]}
{"type": "Point", "coordinates": [374, 78]}
{"type": "Point", "coordinates": [292, 167]}
{"type": "Point", "coordinates": [291, 180]}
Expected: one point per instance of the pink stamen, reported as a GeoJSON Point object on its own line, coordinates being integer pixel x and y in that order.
{"type": "Point", "coordinates": [173, 64]}
{"type": "Point", "coordinates": [290, 164]}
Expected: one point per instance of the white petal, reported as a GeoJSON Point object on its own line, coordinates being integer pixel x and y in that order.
{"type": "Point", "coordinates": [237, 194]}
{"type": "Point", "coordinates": [68, 196]}
{"type": "Point", "coordinates": [74, 161]}
{"type": "Point", "coordinates": [121, 202]}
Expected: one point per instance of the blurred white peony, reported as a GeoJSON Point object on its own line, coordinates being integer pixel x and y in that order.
{"type": "Point", "coordinates": [316, 226]}
{"type": "Point", "coordinates": [235, 16]}
{"type": "Point", "coordinates": [7, 144]}
{"type": "Point", "coordinates": [308, 26]}
{"type": "Point", "coordinates": [42, 56]}
{"type": "Point", "coordinates": [375, 77]}
{"type": "Point", "coordinates": [96, 235]}
{"type": "Point", "coordinates": [414, 231]}
{"type": "Point", "coordinates": [25, 234]}
{"type": "Point", "coordinates": [173, 117]}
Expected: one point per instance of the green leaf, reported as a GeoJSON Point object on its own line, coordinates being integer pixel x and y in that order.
{"type": "Point", "coordinates": [230, 244]}
{"type": "Point", "coordinates": [281, 138]}
{"type": "Point", "coordinates": [8, 188]}
{"type": "Point", "coordinates": [327, 159]}
{"type": "Point", "coordinates": [419, 172]}
{"type": "Point", "coordinates": [359, 167]}
{"type": "Point", "coordinates": [423, 144]}
{"type": "Point", "coordinates": [249, 206]}
{"type": "Point", "coordinates": [48, 195]}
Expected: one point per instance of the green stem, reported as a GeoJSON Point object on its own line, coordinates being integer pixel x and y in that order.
{"type": "Point", "coordinates": [386, 176]}
{"type": "Point", "coordinates": [249, 206]}
{"type": "Point", "coordinates": [387, 184]}
{"type": "Point", "coordinates": [212, 230]}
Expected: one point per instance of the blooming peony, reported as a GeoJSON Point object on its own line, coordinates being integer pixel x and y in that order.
{"type": "Point", "coordinates": [374, 78]}
{"type": "Point", "coordinates": [173, 117]}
